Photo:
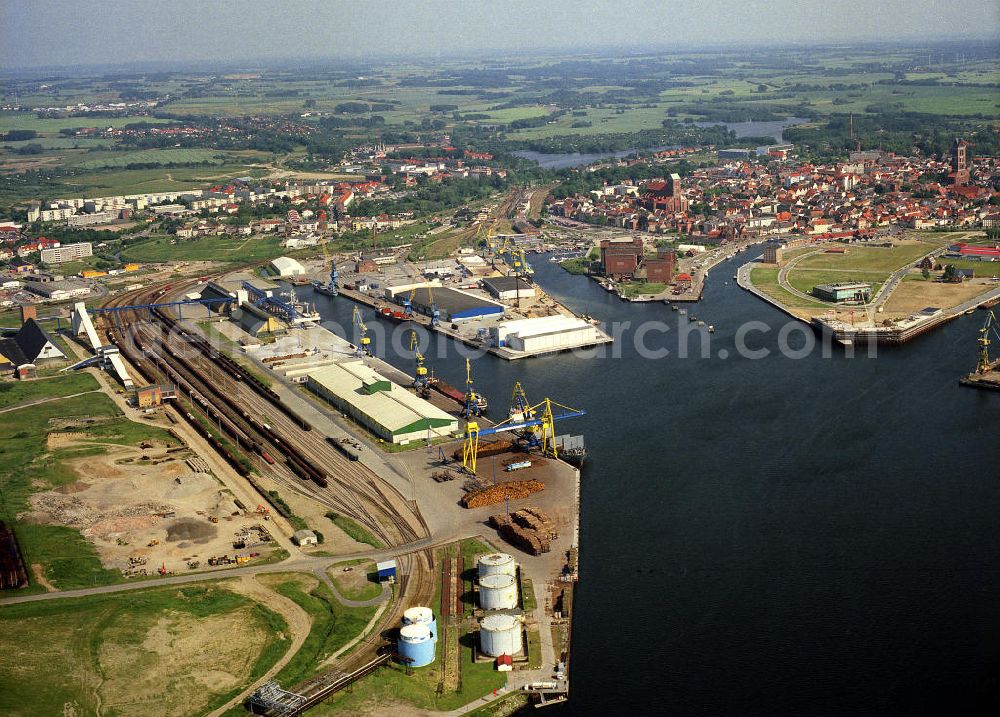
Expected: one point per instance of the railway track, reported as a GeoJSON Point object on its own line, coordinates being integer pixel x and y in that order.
{"type": "Point", "coordinates": [276, 440]}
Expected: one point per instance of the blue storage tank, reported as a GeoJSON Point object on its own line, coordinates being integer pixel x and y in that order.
{"type": "Point", "coordinates": [416, 645]}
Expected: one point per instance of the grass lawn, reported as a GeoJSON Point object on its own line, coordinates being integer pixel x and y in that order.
{"type": "Point", "coordinates": [66, 384]}
{"type": "Point", "coordinates": [208, 248]}
{"type": "Point", "coordinates": [638, 289]}
{"type": "Point", "coordinates": [356, 584]}
{"type": "Point", "coordinates": [136, 653]}
{"type": "Point", "coordinates": [68, 559]}
{"type": "Point", "coordinates": [982, 268]}
{"type": "Point", "coordinates": [575, 266]}
{"type": "Point", "coordinates": [867, 258]}
{"type": "Point", "coordinates": [354, 530]}
{"type": "Point", "coordinates": [805, 279]}
{"type": "Point", "coordinates": [766, 280]}
{"type": "Point", "coordinates": [333, 625]}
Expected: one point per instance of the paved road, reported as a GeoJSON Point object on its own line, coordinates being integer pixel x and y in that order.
{"type": "Point", "coordinates": [303, 563]}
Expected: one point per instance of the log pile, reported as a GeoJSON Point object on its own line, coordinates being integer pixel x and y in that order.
{"type": "Point", "coordinates": [528, 529]}
{"type": "Point", "coordinates": [485, 450]}
{"type": "Point", "coordinates": [495, 494]}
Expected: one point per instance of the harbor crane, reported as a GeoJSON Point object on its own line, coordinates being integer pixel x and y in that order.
{"type": "Point", "coordinates": [435, 313]}
{"type": "Point", "coordinates": [475, 404]}
{"type": "Point", "coordinates": [364, 342]}
{"type": "Point", "coordinates": [543, 420]}
{"type": "Point", "coordinates": [985, 364]}
{"type": "Point", "coordinates": [420, 379]}
{"type": "Point", "coordinates": [330, 264]}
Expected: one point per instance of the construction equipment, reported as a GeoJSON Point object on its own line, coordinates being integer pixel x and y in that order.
{"type": "Point", "coordinates": [985, 364]}
{"type": "Point", "coordinates": [475, 404]}
{"type": "Point", "coordinates": [420, 379]}
{"type": "Point", "coordinates": [364, 342]}
{"type": "Point", "coordinates": [543, 417]}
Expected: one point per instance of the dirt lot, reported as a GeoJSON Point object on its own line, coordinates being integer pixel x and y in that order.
{"type": "Point", "coordinates": [912, 296]}
{"type": "Point", "coordinates": [144, 505]}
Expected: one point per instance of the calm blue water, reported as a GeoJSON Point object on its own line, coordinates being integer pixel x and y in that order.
{"type": "Point", "coordinates": [775, 536]}
{"type": "Point", "coordinates": [563, 160]}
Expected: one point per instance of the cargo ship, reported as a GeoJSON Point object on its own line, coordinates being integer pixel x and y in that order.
{"type": "Point", "coordinates": [446, 389]}
{"type": "Point", "coordinates": [326, 289]}
{"type": "Point", "coordinates": [571, 449]}
{"type": "Point", "coordinates": [393, 314]}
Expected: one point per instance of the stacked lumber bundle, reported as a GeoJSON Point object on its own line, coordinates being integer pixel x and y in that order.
{"type": "Point", "coordinates": [496, 494]}
{"type": "Point", "coordinates": [484, 450]}
{"type": "Point", "coordinates": [518, 536]}
{"type": "Point", "coordinates": [536, 521]}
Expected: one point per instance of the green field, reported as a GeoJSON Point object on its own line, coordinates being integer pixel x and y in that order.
{"type": "Point", "coordinates": [67, 558]}
{"type": "Point", "coordinates": [642, 288]}
{"type": "Point", "coordinates": [120, 160]}
{"type": "Point", "coordinates": [207, 248]}
{"type": "Point", "coordinates": [166, 651]}
{"type": "Point", "coordinates": [354, 530]}
{"type": "Point", "coordinates": [24, 120]}
{"type": "Point", "coordinates": [766, 280]}
{"type": "Point", "coordinates": [348, 583]}
{"type": "Point", "coordinates": [805, 279]}
{"type": "Point", "coordinates": [333, 625]}
{"type": "Point", "coordinates": [12, 394]}
{"type": "Point", "coordinates": [867, 258]}
{"type": "Point", "coordinates": [982, 268]}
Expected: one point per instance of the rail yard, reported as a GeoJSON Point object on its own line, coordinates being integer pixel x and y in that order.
{"type": "Point", "coordinates": [288, 448]}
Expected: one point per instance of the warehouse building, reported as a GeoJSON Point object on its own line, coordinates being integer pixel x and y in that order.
{"type": "Point", "coordinates": [222, 299]}
{"type": "Point", "coordinates": [844, 293]}
{"type": "Point", "coordinates": [284, 266]}
{"type": "Point", "coordinates": [509, 288]}
{"type": "Point", "coordinates": [386, 409]}
{"type": "Point", "coordinates": [541, 335]}
{"type": "Point", "coordinates": [255, 321]}
{"type": "Point", "coordinates": [454, 305]}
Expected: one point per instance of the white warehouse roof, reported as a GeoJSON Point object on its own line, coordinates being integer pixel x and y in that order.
{"type": "Point", "coordinates": [286, 266]}
{"type": "Point", "coordinates": [385, 408]}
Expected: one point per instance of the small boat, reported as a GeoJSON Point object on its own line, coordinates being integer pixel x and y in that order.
{"type": "Point", "coordinates": [692, 318]}
{"type": "Point", "coordinates": [701, 323]}
{"type": "Point", "coordinates": [682, 312]}
{"type": "Point", "coordinates": [673, 307]}
{"type": "Point", "coordinates": [711, 329]}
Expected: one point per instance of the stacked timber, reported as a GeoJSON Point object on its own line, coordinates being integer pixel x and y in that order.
{"type": "Point", "coordinates": [495, 494]}
{"type": "Point", "coordinates": [485, 450]}
{"type": "Point", "coordinates": [527, 540]}
{"type": "Point", "coordinates": [536, 521]}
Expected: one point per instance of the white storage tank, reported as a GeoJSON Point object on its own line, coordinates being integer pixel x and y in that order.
{"type": "Point", "coordinates": [498, 592]}
{"type": "Point", "coordinates": [421, 616]}
{"type": "Point", "coordinates": [496, 563]}
{"type": "Point", "coordinates": [500, 635]}
{"type": "Point", "coordinates": [416, 646]}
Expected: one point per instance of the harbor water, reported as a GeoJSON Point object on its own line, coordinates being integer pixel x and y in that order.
{"type": "Point", "coordinates": [773, 536]}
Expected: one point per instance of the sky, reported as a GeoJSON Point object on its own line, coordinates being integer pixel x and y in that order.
{"type": "Point", "coordinates": [37, 33]}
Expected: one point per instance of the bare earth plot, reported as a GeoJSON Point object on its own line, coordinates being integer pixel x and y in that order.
{"type": "Point", "coordinates": [912, 296]}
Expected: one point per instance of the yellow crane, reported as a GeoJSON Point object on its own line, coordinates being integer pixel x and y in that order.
{"type": "Point", "coordinates": [541, 422]}
{"type": "Point", "coordinates": [364, 342]}
{"type": "Point", "coordinates": [421, 380]}
{"type": "Point", "coordinates": [985, 363]}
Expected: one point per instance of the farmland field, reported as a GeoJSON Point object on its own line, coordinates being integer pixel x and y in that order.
{"type": "Point", "coordinates": [165, 651]}
{"type": "Point", "coordinates": [210, 248]}
{"type": "Point", "coordinates": [120, 160]}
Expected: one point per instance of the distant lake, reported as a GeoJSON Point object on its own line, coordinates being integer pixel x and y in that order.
{"type": "Point", "coordinates": [579, 159]}
{"type": "Point", "coordinates": [758, 129]}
